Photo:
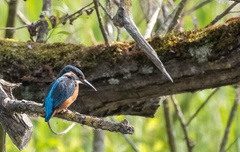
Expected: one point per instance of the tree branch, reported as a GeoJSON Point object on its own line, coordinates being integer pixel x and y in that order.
{"type": "Point", "coordinates": [122, 19]}
{"type": "Point", "coordinates": [177, 15]}
{"type": "Point", "coordinates": [44, 27]}
{"type": "Point", "coordinates": [98, 141]}
{"type": "Point", "coordinates": [169, 126]}
{"type": "Point", "coordinates": [127, 82]}
{"type": "Point", "coordinates": [202, 105]}
{"type": "Point", "coordinates": [128, 139]}
{"type": "Point", "coordinates": [230, 120]}
{"type": "Point", "coordinates": [17, 126]}
{"type": "Point", "coordinates": [151, 23]}
{"type": "Point", "coordinates": [22, 18]}
{"type": "Point", "coordinates": [36, 109]}
{"type": "Point", "coordinates": [12, 5]}
{"type": "Point", "coordinates": [181, 118]}
{"type": "Point", "coordinates": [188, 12]}
{"type": "Point", "coordinates": [172, 19]}
{"type": "Point", "coordinates": [225, 12]}
{"type": "Point", "coordinates": [104, 33]}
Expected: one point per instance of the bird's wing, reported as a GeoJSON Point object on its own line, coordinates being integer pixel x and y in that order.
{"type": "Point", "coordinates": [59, 91]}
{"type": "Point", "coordinates": [63, 91]}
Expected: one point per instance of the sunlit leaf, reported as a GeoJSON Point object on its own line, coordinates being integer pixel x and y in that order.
{"type": "Point", "coordinates": [48, 21]}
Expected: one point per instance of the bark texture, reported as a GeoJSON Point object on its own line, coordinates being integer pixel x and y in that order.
{"type": "Point", "coordinates": [18, 126]}
{"type": "Point", "coordinates": [127, 82]}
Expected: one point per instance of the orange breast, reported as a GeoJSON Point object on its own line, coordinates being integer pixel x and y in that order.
{"type": "Point", "coordinates": [69, 101]}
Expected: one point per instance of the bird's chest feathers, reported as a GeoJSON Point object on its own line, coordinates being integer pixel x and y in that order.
{"type": "Point", "coordinates": [70, 100]}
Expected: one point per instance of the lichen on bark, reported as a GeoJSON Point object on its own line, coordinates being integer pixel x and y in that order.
{"type": "Point", "coordinates": [193, 58]}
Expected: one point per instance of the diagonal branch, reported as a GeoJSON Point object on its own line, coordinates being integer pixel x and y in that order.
{"type": "Point", "coordinates": [230, 120]}
{"type": "Point", "coordinates": [202, 105]}
{"type": "Point", "coordinates": [152, 21]}
{"type": "Point", "coordinates": [128, 139]}
{"type": "Point", "coordinates": [104, 33]}
{"type": "Point", "coordinates": [235, 140]}
{"type": "Point", "coordinates": [127, 82]}
{"type": "Point", "coordinates": [172, 19]}
{"type": "Point", "coordinates": [36, 109]}
{"type": "Point", "coordinates": [178, 109]}
{"type": "Point", "coordinates": [225, 12]}
{"type": "Point", "coordinates": [169, 126]}
{"type": "Point", "coordinates": [22, 18]}
{"type": "Point", "coordinates": [196, 7]}
{"type": "Point", "coordinates": [177, 15]}
{"type": "Point", "coordinates": [122, 19]}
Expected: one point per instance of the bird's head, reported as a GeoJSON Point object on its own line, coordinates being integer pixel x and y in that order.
{"type": "Point", "coordinates": [80, 76]}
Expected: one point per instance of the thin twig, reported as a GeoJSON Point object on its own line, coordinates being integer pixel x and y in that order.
{"type": "Point", "coordinates": [230, 120]}
{"type": "Point", "coordinates": [232, 143]}
{"type": "Point", "coordinates": [195, 22]}
{"type": "Point", "coordinates": [110, 17]}
{"type": "Point", "coordinates": [151, 23]}
{"type": "Point", "coordinates": [13, 28]}
{"type": "Point", "coordinates": [202, 105]}
{"type": "Point", "coordinates": [42, 24]}
{"type": "Point", "coordinates": [11, 18]}
{"type": "Point", "coordinates": [177, 15]}
{"type": "Point", "coordinates": [119, 33]}
{"type": "Point", "coordinates": [222, 14]}
{"type": "Point", "coordinates": [128, 139]}
{"type": "Point", "coordinates": [188, 12]}
{"type": "Point", "coordinates": [36, 109]}
{"type": "Point", "coordinates": [169, 126]}
{"type": "Point", "coordinates": [235, 1]}
{"type": "Point", "coordinates": [98, 141]}
{"type": "Point", "coordinates": [76, 14]}
{"type": "Point", "coordinates": [172, 19]}
{"type": "Point", "coordinates": [22, 18]}
{"type": "Point", "coordinates": [178, 109]}
{"type": "Point", "coordinates": [234, 12]}
{"type": "Point", "coordinates": [104, 33]}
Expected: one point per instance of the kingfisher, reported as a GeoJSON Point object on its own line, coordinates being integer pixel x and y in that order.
{"type": "Point", "coordinates": [64, 91]}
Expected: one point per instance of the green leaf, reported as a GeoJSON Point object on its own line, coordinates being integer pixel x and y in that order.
{"type": "Point", "coordinates": [64, 33]}
{"type": "Point", "coordinates": [48, 21]}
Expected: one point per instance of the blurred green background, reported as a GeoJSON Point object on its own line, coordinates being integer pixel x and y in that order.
{"type": "Point", "coordinates": [206, 130]}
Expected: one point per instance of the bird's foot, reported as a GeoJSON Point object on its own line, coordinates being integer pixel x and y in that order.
{"type": "Point", "coordinates": [65, 111]}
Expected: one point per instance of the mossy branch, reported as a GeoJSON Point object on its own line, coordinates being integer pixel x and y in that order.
{"type": "Point", "coordinates": [127, 82]}
{"type": "Point", "coordinates": [14, 117]}
{"type": "Point", "coordinates": [34, 109]}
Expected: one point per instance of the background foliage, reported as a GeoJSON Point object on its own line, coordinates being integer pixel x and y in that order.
{"type": "Point", "coordinates": [206, 130]}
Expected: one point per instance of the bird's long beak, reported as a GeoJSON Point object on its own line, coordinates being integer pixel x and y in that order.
{"type": "Point", "coordinates": [85, 82]}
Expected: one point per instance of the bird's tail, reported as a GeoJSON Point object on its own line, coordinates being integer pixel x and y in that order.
{"type": "Point", "coordinates": [48, 116]}
{"type": "Point", "coordinates": [48, 111]}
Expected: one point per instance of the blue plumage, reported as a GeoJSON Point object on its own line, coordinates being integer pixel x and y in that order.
{"type": "Point", "coordinates": [70, 68]}
{"type": "Point", "coordinates": [57, 93]}
{"type": "Point", "coordinates": [63, 92]}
